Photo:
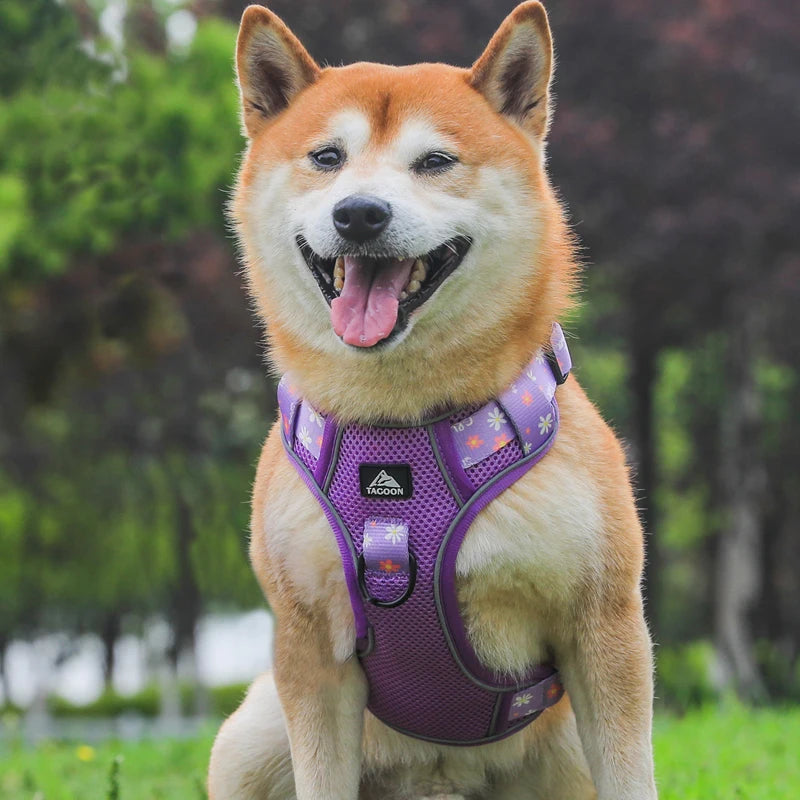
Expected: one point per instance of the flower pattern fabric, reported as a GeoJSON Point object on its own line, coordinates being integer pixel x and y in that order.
{"type": "Point", "coordinates": [385, 545]}
{"type": "Point", "coordinates": [534, 698]}
{"type": "Point", "coordinates": [525, 411]}
{"type": "Point", "coordinates": [310, 424]}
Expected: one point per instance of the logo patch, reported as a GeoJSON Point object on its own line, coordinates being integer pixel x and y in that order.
{"type": "Point", "coordinates": [392, 481]}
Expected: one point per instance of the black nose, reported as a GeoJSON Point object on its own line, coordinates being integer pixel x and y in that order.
{"type": "Point", "coordinates": [361, 217]}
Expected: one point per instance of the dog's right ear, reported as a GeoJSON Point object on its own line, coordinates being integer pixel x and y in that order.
{"type": "Point", "coordinates": [271, 65]}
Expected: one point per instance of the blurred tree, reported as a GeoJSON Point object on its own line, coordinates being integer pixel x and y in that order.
{"type": "Point", "coordinates": [127, 358]}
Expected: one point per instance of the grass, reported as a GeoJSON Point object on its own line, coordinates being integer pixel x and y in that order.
{"type": "Point", "coordinates": [149, 770]}
{"type": "Point", "coordinates": [735, 754]}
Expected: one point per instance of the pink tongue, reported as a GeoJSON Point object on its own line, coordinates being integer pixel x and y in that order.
{"type": "Point", "coordinates": [366, 311]}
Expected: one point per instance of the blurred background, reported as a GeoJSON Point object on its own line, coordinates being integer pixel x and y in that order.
{"type": "Point", "coordinates": [134, 396]}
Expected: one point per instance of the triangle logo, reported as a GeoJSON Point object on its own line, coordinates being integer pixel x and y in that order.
{"type": "Point", "coordinates": [391, 481]}
{"type": "Point", "coordinates": [383, 478]}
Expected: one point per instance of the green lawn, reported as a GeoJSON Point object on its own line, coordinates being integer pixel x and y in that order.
{"type": "Point", "coordinates": [713, 755]}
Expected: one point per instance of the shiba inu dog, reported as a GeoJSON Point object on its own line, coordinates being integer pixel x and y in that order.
{"type": "Point", "coordinates": [408, 255]}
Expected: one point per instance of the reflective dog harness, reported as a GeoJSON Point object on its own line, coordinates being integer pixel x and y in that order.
{"type": "Point", "coordinates": [400, 501]}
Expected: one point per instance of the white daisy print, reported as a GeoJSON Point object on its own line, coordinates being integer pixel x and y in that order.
{"type": "Point", "coordinates": [545, 424]}
{"type": "Point", "coordinates": [523, 700]}
{"type": "Point", "coordinates": [395, 534]}
{"type": "Point", "coordinates": [305, 437]}
{"type": "Point", "coordinates": [540, 357]}
{"type": "Point", "coordinates": [495, 419]}
{"type": "Point", "coordinates": [315, 418]}
{"type": "Point", "coordinates": [367, 540]}
{"type": "Point", "coordinates": [531, 374]}
{"type": "Point", "coordinates": [527, 447]}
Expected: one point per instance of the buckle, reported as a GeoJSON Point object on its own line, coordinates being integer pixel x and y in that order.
{"type": "Point", "coordinates": [560, 376]}
{"type": "Point", "coordinates": [362, 584]}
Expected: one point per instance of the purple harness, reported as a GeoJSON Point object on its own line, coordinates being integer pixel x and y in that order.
{"type": "Point", "coordinates": [400, 501]}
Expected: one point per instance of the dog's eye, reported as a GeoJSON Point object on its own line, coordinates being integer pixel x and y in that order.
{"type": "Point", "coordinates": [327, 157]}
{"type": "Point", "coordinates": [434, 162]}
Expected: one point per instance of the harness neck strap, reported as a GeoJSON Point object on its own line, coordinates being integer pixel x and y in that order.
{"type": "Point", "coordinates": [523, 412]}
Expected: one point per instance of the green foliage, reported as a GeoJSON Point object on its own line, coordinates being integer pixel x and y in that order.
{"type": "Point", "coordinates": [102, 149]}
{"type": "Point", "coordinates": [142, 154]}
{"type": "Point", "coordinates": [145, 703]}
{"type": "Point", "coordinates": [780, 672]}
{"type": "Point", "coordinates": [223, 701]}
{"type": "Point", "coordinates": [684, 676]}
{"type": "Point", "coordinates": [226, 699]}
{"type": "Point", "coordinates": [113, 779]}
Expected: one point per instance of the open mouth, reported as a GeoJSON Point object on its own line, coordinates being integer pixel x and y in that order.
{"type": "Point", "coordinates": [371, 296]}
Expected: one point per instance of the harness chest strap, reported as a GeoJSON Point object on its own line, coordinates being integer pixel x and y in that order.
{"type": "Point", "coordinates": [400, 501]}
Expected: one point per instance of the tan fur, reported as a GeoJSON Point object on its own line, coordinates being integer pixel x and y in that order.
{"type": "Point", "coordinates": [574, 593]}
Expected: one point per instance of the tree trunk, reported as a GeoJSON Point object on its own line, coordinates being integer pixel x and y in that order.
{"type": "Point", "coordinates": [4, 682]}
{"type": "Point", "coordinates": [186, 592]}
{"type": "Point", "coordinates": [186, 598]}
{"type": "Point", "coordinates": [109, 634]}
{"type": "Point", "coordinates": [742, 477]}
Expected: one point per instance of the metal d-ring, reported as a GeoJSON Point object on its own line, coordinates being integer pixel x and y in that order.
{"type": "Point", "coordinates": [412, 579]}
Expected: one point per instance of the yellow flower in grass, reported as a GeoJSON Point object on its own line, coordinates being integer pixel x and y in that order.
{"type": "Point", "coordinates": [85, 753]}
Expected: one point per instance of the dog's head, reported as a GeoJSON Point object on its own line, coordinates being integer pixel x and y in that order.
{"type": "Point", "coordinates": [391, 216]}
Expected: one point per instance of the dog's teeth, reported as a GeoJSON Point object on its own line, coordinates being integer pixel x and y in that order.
{"type": "Point", "coordinates": [420, 271]}
{"type": "Point", "coordinates": [338, 283]}
{"type": "Point", "coordinates": [413, 286]}
{"type": "Point", "coordinates": [403, 295]}
{"type": "Point", "coordinates": [338, 269]}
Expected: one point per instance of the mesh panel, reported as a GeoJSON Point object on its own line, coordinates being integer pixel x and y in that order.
{"type": "Point", "coordinates": [415, 684]}
{"type": "Point", "coordinates": [490, 466]}
{"type": "Point", "coordinates": [495, 463]}
{"type": "Point", "coordinates": [305, 456]}
{"type": "Point", "coordinates": [464, 413]}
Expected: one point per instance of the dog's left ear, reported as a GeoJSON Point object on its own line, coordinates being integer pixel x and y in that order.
{"type": "Point", "coordinates": [272, 67]}
{"type": "Point", "coordinates": [514, 71]}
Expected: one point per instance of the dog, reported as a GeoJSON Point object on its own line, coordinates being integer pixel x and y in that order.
{"type": "Point", "coordinates": [357, 184]}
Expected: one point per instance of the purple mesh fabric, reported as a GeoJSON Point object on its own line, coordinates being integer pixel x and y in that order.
{"type": "Point", "coordinates": [495, 463]}
{"type": "Point", "coordinates": [306, 457]}
{"type": "Point", "coordinates": [408, 640]}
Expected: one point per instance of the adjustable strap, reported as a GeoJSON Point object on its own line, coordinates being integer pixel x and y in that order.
{"type": "Point", "coordinates": [302, 424]}
{"type": "Point", "coordinates": [559, 355]}
{"type": "Point", "coordinates": [526, 410]}
{"type": "Point", "coordinates": [309, 428]}
{"type": "Point", "coordinates": [536, 698]}
{"type": "Point", "coordinates": [288, 403]}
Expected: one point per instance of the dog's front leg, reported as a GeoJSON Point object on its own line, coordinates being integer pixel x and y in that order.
{"type": "Point", "coordinates": [323, 701]}
{"type": "Point", "coordinates": [607, 671]}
